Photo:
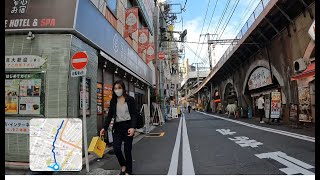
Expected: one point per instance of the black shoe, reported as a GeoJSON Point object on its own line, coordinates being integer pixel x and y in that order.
{"type": "Point", "coordinates": [122, 172]}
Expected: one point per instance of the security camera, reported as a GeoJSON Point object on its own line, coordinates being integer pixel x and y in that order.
{"type": "Point", "coordinates": [30, 36]}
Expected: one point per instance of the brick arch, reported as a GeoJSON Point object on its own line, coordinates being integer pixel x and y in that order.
{"type": "Point", "coordinates": [262, 63]}
{"type": "Point", "coordinates": [229, 81]}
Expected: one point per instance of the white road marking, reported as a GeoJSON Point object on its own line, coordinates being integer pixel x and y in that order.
{"type": "Point", "coordinates": [286, 133]}
{"type": "Point", "coordinates": [245, 141]}
{"type": "Point", "coordinates": [173, 168]}
{"type": "Point", "coordinates": [225, 131]}
{"type": "Point", "coordinates": [187, 163]}
{"type": "Point", "coordinates": [294, 166]}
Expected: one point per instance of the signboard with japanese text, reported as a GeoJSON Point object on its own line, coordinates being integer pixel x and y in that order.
{"type": "Point", "coordinates": [275, 108]}
{"type": "Point", "coordinates": [17, 126]}
{"type": "Point", "coordinates": [85, 95]}
{"type": "Point", "coordinates": [24, 93]}
{"type": "Point", "coordinates": [259, 78]}
{"type": "Point", "coordinates": [36, 14]}
{"type": "Point", "coordinates": [131, 21]}
{"type": "Point", "coordinates": [99, 99]}
{"type": "Point", "coordinates": [107, 96]}
{"type": "Point", "coordinates": [143, 38]}
{"type": "Point", "coordinates": [24, 61]}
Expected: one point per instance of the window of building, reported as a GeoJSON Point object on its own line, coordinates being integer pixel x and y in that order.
{"type": "Point", "coordinates": [101, 5]}
{"type": "Point", "coordinates": [112, 5]}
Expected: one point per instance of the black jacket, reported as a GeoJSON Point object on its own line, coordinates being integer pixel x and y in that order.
{"type": "Point", "coordinates": [132, 106]}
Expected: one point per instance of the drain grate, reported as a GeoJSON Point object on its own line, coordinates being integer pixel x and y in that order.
{"type": "Point", "coordinates": [155, 134]}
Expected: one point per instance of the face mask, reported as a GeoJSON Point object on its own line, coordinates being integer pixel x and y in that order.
{"type": "Point", "coordinates": [118, 92]}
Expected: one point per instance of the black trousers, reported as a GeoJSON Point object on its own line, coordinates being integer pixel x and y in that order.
{"type": "Point", "coordinates": [120, 134]}
{"type": "Point", "coordinates": [261, 111]}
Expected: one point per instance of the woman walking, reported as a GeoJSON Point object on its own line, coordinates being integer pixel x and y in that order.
{"type": "Point", "coordinates": [123, 110]}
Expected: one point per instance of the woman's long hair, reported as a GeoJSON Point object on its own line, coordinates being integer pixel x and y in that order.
{"type": "Point", "coordinates": [121, 83]}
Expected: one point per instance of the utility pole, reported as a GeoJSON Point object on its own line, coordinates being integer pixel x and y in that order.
{"type": "Point", "coordinates": [209, 46]}
{"type": "Point", "coordinates": [156, 27]}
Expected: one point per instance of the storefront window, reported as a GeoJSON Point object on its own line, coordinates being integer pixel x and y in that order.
{"type": "Point", "coordinates": [24, 94]}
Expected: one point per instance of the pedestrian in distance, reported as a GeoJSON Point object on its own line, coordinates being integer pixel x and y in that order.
{"type": "Point", "coordinates": [189, 108]}
{"type": "Point", "coordinates": [261, 107]}
{"type": "Point", "coordinates": [123, 110]}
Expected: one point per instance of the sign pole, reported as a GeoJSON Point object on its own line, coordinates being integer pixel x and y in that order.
{"type": "Point", "coordinates": [84, 114]}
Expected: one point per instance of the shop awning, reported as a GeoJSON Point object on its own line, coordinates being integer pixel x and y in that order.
{"type": "Point", "coordinates": [310, 71]}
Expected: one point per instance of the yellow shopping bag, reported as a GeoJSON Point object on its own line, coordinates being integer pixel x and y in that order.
{"type": "Point", "coordinates": [97, 146]}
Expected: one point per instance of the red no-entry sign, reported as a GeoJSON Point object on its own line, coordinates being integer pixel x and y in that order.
{"type": "Point", "coordinates": [79, 60]}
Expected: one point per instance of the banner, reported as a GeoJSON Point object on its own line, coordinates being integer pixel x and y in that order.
{"type": "Point", "coordinates": [275, 105]}
{"type": "Point", "coordinates": [131, 21]}
{"type": "Point", "coordinates": [143, 39]}
{"type": "Point", "coordinates": [150, 53]}
{"type": "Point", "coordinates": [161, 55]}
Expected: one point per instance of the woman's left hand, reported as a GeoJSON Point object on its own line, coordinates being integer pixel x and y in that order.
{"type": "Point", "coordinates": [131, 132]}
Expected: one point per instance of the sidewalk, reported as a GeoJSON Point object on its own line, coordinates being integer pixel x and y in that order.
{"type": "Point", "coordinates": [308, 131]}
{"type": "Point", "coordinates": [22, 168]}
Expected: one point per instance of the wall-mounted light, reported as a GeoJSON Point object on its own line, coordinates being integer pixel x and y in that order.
{"type": "Point", "coordinates": [125, 75]}
{"type": "Point", "coordinates": [105, 64]}
{"type": "Point", "coordinates": [131, 79]}
{"type": "Point", "coordinates": [116, 71]}
{"type": "Point", "coordinates": [30, 36]}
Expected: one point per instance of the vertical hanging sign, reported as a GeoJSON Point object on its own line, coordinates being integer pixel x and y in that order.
{"type": "Point", "coordinates": [150, 53]}
{"type": "Point", "coordinates": [131, 21]}
{"type": "Point", "coordinates": [143, 39]}
{"type": "Point", "coordinates": [275, 105]}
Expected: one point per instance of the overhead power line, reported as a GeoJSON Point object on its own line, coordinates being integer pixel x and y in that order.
{"type": "Point", "coordinates": [202, 28]}
{"type": "Point", "coordinates": [234, 8]}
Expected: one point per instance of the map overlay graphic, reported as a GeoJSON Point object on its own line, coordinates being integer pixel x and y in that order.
{"type": "Point", "coordinates": [56, 144]}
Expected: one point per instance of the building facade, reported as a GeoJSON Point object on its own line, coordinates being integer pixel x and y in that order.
{"type": "Point", "coordinates": [38, 52]}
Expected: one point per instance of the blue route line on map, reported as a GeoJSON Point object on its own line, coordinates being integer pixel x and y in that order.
{"type": "Point", "coordinates": [55, 166]}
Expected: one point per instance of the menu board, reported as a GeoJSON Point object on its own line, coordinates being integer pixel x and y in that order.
{"type": "Point", "coordinates": [107, 96]}
{"type": "Point", "coordinates": [99, 98]}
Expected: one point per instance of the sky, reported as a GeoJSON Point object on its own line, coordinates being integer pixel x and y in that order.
{"type": "Point", "coordinates": [194, 19]}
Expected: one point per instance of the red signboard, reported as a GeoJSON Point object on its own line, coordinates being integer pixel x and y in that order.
{"type": "Point", "coordinates": [79, 60]}
{"type": "Point", "coordinates": [150, 53]}
{"type": "Point", "coordinates": [143, 39]}
{"type": "Point", "coordinates": [131, 23]}
{"type": "Point", "coordinates": [161, 55]}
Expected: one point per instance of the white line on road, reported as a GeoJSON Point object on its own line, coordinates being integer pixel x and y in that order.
{"type": "Point", "coordinates": [173, 168]}
{"type": "Point", "coordinates": [187, 163]}
{"type": "Point", "coordinates": [286, 133]}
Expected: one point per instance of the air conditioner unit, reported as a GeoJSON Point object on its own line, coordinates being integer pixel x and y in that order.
{"type": "Point", "coordinates": [299, 65]}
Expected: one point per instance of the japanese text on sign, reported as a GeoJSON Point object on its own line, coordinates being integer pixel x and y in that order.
{"type": "Point", "coordinates": [17, 126]}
